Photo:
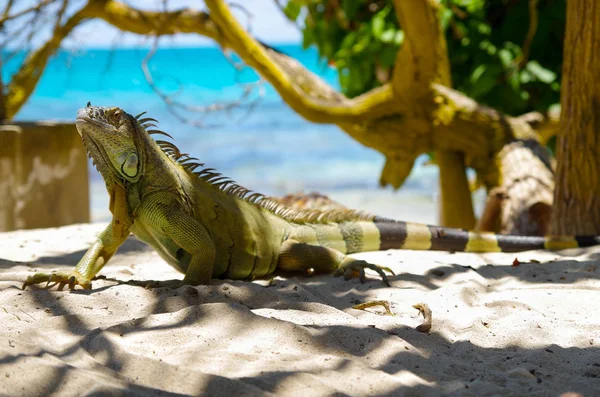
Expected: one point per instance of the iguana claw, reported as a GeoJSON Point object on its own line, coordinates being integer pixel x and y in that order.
{"type": "Point", "coordinates": [350, 269]}
{"type": "Point", "coordinates": [60, 278]}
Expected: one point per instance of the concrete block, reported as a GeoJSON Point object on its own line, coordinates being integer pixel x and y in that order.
{"type": "Point", "coordinates": [43, 176]}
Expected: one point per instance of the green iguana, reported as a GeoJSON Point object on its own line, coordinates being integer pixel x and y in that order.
{"type": "Point", "coordinates": [205, 225]}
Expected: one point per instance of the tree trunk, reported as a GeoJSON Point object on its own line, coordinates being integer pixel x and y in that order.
{"type": "Point", "coordinates": [456, 205]}
{"type": "Point", "coordinates": [522, 202]}
{"type": "Point", "coordinates": [577, 193]}
{"type": "Point", "coordinates": [2, 103]}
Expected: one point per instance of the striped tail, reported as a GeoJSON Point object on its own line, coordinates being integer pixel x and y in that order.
{"type": "Point", "coordinates": [406, 235]}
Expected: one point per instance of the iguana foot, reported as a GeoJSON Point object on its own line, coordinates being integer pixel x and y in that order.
{"type": "Point", "coordinates": [351, 267]}
{"type": "Point", "coordinates": [71, 279]}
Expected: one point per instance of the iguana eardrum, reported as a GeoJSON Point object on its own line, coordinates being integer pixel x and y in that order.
{"type": "Point", "coordinates": [205, 225]}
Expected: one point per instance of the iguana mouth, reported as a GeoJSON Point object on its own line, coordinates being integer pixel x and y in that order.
{"type": "Point", "coordinates": [95, 151]}
{"type": "Point", "coordinates": [83, 118]}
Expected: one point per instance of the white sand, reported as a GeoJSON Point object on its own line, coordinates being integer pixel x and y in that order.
{"type": "Point", "coordinates": [533, 329]}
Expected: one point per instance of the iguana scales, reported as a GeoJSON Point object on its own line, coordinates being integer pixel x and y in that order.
{"type": "Point", "coordinates": [205, 225]}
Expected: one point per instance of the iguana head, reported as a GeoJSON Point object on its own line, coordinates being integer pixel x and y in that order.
{"type": "Point", "coordinates": [109, 136]}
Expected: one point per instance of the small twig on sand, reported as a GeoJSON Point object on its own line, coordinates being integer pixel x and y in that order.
{"type": "Point", "coordinates": [385, 304]}
{"type": "Point", "coordinates": [426, 312]}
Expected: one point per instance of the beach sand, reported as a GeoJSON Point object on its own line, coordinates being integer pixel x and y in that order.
{"type": "Point", "coordinates": [498, 329]}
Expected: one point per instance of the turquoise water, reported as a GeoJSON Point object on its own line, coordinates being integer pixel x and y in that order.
{"type": "Point", "coordinates": [268, 148]}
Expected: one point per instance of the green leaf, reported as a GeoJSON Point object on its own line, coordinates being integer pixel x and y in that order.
{"type": "Point", "coordinates": [349, 40]}
{"type": "Point", "coordinates": [484, 29]}
{"type": "Point", "coordinates": [554, 108]}
{"type": "Point", "coordinates": [483, 38]}
{"type": "Point", "coordinates": [506, 57]}
{"type": "Point", "coordinates": [378, 22]}
{"type": "Point", "coordinates": [526, 77]}
{"type": "Point", "coordinates": [399, 37]}
{"type": "Point", "coordinates": [358, 47]}
{"type": "Point", "coordinates": [476, 75]}
{"type": "Point", "coordinates": [292, 10]}
{"type": "Point", "coordinates": [514, 82]}
{"type": "Point", "coordinates": [388, 35]}
{"type": "Point", "coordinates": [387, 56]}
{"type": "Point", "coordinates": [488, 46]}
{"type": "Point", "coordinates": [350, 8]}
{"type": "Point", "coordinates": [483, 79]}
{"type": "Point", "coordinates": [308, 38]}
{"type": "Point", "coordinates": [445, 17]}
{"type": "Point", "coordinates": [540, 73]}
{"type": "Point", "coordinates": [377, 26]}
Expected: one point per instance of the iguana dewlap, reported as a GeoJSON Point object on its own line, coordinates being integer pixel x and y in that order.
{"type": "Point", "coordinates": [206, 226]}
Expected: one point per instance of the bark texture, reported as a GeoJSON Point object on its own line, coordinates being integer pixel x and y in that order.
{"type": "Point", "coordinates": [522, 203]}
{"type": "Point", "coordinates": [577, 194]}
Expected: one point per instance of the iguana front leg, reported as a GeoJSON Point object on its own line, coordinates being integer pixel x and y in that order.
{"type": "Point", "coordinates": [90, 264]}
{"type": "Point", "coordinates": [161, 211]}
{"type": "Point", "coordinates": [296, 256]}
{"type": "Point", "coordinates": [99, 253]}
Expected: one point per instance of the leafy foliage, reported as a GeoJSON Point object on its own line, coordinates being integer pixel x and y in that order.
{"type": "Point", "coordinates": [487, 46]}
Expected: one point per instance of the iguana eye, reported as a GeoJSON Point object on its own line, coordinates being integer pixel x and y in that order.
{"type": "Point", "coordinates": [130, 165]}
{"type": "Point", "coordinates": [113, 112]}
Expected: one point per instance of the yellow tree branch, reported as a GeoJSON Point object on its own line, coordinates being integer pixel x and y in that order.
{"type": "Point", "coordinates": [423, 58]}
{"type": "Point", "coordinates": [545, 125]}
{"type": "Point", "coordinates": [363, 107]}
{"type": "Point", "coordinates": [421, 62]}
{"type": "Point", "coordinates": [158, 23]}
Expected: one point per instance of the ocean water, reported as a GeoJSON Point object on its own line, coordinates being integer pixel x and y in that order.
{"type": "Point", "coordinates": [266, 147]}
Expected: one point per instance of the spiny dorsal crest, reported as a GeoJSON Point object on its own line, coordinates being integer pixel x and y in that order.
{"type": "Point", "coordinates": [227, 185]}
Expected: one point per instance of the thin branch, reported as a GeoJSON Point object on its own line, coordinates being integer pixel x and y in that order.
{"type": "Point", "coordinates": [36, 8]}
{"type": "Point", "coordinates": [6, 11]}
{"type": "Point", "coordinates": [533, 24]}
{"type": "Point", "coordinates": [60, 14]}
{"type": "Point", "coordinates": [7, 8]}
{"type": "Point", "coordinates": [239, 66]}
{"type": "Point", "coordinates": [248, 14]}
{"type": "Point", "coordinates": [24, 81]}
{"type": "Point", "coordinates": [111, 55]}
{"type": "Point", "coordinates": [174, 106]}
{"type": "Point", "coordinates": [28, 30]}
